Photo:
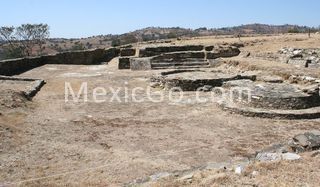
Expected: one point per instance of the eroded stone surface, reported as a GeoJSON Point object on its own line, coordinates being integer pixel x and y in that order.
{"type": "Point", "coordinates": [276, 96]}
{"type": "Point", "coordinates": [196, 79]}
{"type": "Point", "coordinates": [154, 51]}
{"type": "Point", "coordinates": [302, 57]}
{"type": "Point", "coordinates": [306, 142]}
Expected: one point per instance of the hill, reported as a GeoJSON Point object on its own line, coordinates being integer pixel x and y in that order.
{"type": "Point", "coordinates": [55, 45]}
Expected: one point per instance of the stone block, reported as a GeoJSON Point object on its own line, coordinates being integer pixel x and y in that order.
{"type": "Point", "coordinates": [298, 62]}
{"type": "Point", "coordinates": [209, 48]}
{"type": "Point", "coordinates": [124, 63]}
{"type": "Point", "coordinates": [127, 52]}
{"type": "Point", "coordinates": [154, 51]}
{"type": "Point", "coordinates": [140, 64]}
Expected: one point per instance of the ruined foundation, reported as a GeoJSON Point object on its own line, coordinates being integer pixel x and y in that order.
{"type": "Point", "coordinates": [180, 57]}
{"type": "Point", "coordinates": [274, 100]}
{"type": "Point", "coordinates": [29, 87]}
{"type": "Point", "coordinates": [193, 80]}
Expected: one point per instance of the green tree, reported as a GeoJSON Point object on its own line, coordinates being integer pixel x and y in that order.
{"type": "Point", "coordinates": [78, 47]}
{"type": "Point", "coordinates": [128, 38]}
{"type": "Point", "coordinates": [294, 30]}
{"type": "Point", "coordinates": [115, 42]}
{"type": "Point", "coordinates": [172, 35]}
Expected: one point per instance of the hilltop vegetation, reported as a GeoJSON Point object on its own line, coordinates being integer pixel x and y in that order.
{"type": "Point", "coordinates": [55, 45]}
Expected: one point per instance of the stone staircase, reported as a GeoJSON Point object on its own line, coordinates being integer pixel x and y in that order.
{"type": "Point", "coordinates": [180, 65]}
{"type": "Point", "coordinates": [179, 60]}
{"type": "Point", "coordinates": [175, 57]}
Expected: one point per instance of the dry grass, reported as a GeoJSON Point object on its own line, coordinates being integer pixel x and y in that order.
{"type": "Point", "coordinates": [108, 144]}
{"type": "Point", "coordinates": [304, 172]}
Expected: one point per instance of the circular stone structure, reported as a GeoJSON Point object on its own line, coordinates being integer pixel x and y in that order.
{"type": "Point", "coordinates": [281, 100]}
{"type": "Point", "coordinates": [192, 80]}
{"type": "Point", "coordinates": [276, 96]}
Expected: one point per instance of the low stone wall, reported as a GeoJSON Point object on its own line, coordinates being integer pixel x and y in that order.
{"type": "Point", "coordinates": [31, 90]}
{"type": "Point", "coordinates": [127, 52]}
{"type": "Point", "coordinates": [78, 57]}
{"type": "Point", "coordinates": [88, 57]}
{"type": "Point", "coordinates": [275, 96]}
{"type": "Point", "coordinates": [224, 52]}
{"type": "Point", "coordinates": [154, 51]}
{"type": "Point", "coordinates": [20, 65]}
{"type": "Point", "coordinates": [179, 56]}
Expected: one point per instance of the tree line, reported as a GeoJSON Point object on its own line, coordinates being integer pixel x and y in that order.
{"type": "Point", "coordinates": [25, 40]}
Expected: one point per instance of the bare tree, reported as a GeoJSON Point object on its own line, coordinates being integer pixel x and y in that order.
{"type": "Point", "coordinates": [41, 34]}
{"type": "Point", "coordinates": [25, 38]}
{"type": "Point", "coordinates": [32, 35]}
{"type": "Point", "coordinates": [14, 49]}
{"type": "Point", "coordinates": [6, 34]}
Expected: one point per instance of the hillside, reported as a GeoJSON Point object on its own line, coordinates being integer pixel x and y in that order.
{"type": "Point", "coordinates": [55, 45]}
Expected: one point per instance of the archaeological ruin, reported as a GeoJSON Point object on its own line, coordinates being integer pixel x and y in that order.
{"type": "Point", "coordinates": [195, 68]}
{"type": "Point", "coordinates": [250, 94]}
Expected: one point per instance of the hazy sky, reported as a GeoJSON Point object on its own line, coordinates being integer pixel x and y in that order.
{"type": "Point", "coordinates": [82, 18]}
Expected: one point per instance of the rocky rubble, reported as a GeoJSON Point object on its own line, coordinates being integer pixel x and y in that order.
{"type": "Point", "coordinates": [274, 154]}
{"type": "Point", "coordinates": [308, 141]}
{"type": "Point", "coordinates": [305, 142]}
{"type": "Point", "coordinates": [302, 57]}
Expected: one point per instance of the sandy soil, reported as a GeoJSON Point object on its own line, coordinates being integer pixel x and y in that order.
{"type": "Point", "coordinates": [49, 142]}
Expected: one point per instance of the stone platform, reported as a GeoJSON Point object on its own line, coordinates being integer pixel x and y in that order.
{"type": "Point", "coordinates": [273, 100]}
{"type": "Point", "coordinates": [177, 57]}
{"type": "Point", "coordinates": [277, 95]}
{"type": "Point", "coordinates": [192, 80]}
{"type": "Point", "coordinates": [310, 113]}
{"type": "Point", "coordinates": [246, 94]}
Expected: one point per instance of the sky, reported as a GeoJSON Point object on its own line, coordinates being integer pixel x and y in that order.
{"type": "Point", "coordinates": [84, 18]}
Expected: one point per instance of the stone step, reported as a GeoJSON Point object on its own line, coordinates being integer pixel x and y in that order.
{"type": "Point", "coordinates": [181, 67]}
{"type": "Point", "coordinates": [169, 60]}
{"type": "Point", "coordinates": [310, 113]}
{"type": "Point", "coordinates": [166, 64]}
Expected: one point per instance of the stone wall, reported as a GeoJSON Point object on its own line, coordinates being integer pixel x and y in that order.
{"type": "Point", "coordinates": [124, 63]}
{"type": "Point", "coordinates": [88, 57]}
{"type": "Point", "coordinates": [20, 65]}
{"type": "Point", "coordinates": [127, 52]}
{"type": "Point", "coordinates": [223, 52]}
{"type": "Point", "coordinates": [78, 57]}
{"type": "Point", "coordinates": [188, 56]}
{"type": "Point", "coordinates": [154, 51]}
{"type": "Point", "coordinates": [140, 64]}
{"type": "Point", "coordinates": [179, 56]}
{"type": "Point", "coordinates": [30, 90]}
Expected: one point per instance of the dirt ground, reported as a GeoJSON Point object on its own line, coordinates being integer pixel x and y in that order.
{"type": "Point", "coordinates": [50, 142]}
